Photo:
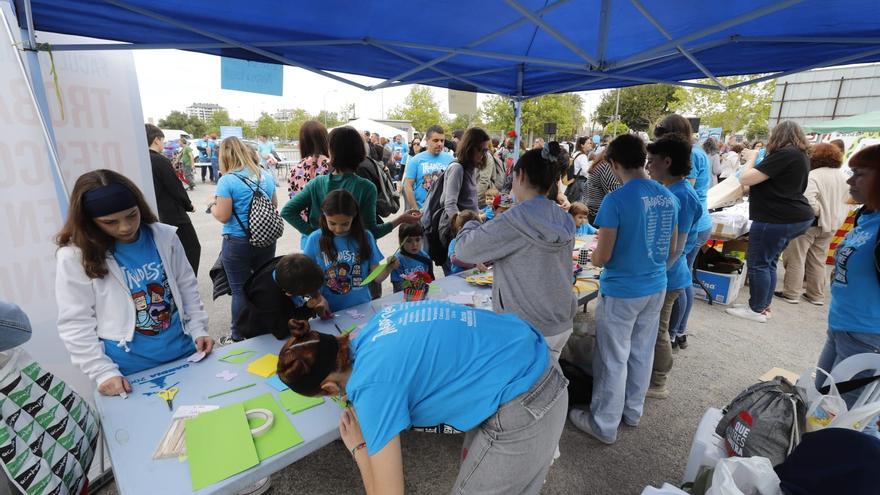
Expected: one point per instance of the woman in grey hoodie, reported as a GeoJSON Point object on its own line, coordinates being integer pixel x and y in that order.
{"type": "Point", "coordinates": [531, 246]}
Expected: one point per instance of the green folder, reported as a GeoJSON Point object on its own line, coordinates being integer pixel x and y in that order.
{"type": "Point", "coordinates": [219, 445]}
{"type": "Point", "coordinates": [281, 436]}
{"type": "Point", "coordinates": [295, 403]}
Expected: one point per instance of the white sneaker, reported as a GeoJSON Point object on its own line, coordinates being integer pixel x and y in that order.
{"type": "Point", "coordinates": [747, 313]}
{"type": "Point", "coordinates": [261, 486]}
{"type": "Point", "coordinates": [814, 302]}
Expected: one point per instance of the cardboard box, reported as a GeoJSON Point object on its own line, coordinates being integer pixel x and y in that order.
{"type": "Point", "coordinates": [723, 288]}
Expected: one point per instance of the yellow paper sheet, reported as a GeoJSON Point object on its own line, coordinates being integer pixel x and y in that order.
{"type": "Point", "coordinates": [265, 366]}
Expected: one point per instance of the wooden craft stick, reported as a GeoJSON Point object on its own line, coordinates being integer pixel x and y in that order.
{"type": "Point", "coordinates": [236, 389]}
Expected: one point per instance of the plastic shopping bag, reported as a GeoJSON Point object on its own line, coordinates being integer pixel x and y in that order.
{"type": "Point", "coordinates": [823, 409]}
{"type": "Point", "coordinates": [744, 476]}
{"type": "Point", "coordinates": [666, 489]}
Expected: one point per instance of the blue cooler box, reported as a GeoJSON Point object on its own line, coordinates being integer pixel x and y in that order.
{"type": "Point", "coordinates": [723, 288]}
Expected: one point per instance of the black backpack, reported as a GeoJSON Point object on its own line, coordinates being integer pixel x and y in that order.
{"type": "Point", "coordinates": [432, 214]}
{"type": "Point", "coordinates": [387, 197]}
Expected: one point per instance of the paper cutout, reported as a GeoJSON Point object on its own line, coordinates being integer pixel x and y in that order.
{"type": "Point", "coordinates": [281, 436]}
{"type": "Point", "coordinates": [276, 383]}
{"type": "Point", "coordinates": [238, 356]}
{"type": "Point", "coordinates": [348, 330]}
{"type": "Point", "coordinates": [373, 274]}
{"type": "Point", "coordinates": [236, 389]}
{"type": "Point", "coordinates": [195, 358]}
{"type": "Point", "coordinates": [295, 403]}
{"type": "Point", "coordinates": [226, 375]}
{"type": "Point", "coordinates": [265, 366]}
{"type": "Point", "coordinates": [355, 314]}
{"type": "Point", "coordinates": [219, 445]}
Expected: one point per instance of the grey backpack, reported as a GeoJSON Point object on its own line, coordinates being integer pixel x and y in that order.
{"type": "Point", "coordinates": [764, 420]}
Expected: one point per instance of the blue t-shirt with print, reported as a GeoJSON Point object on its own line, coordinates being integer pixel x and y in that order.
{"type": "Point", "coordinates": [700, 173]}
{"type": "Point", "coordinates": [232, 186]}
{"type": "Point", "coordinates": [265, 149]}
{"type": "Point", "coordinates": [410, 265]}
{"type": "Point", "coordinates": [453, 268]}
{"type": "Point", "coordinates": [644, 214]}
{"type": "Point", "coordinates": [585, 229]}
{"type": "Point", "coordinates": [158, 333]}
{"type": "Point", "coordinates": [343, 275]}
{"type": "Point", "coordinates": [855, 289]}
{"type": "Point", "coordinates": [690, 210]}
{"type": "Point", "coordinates": [425, 168]}
{"type": "Point", "coordinates": [434, 364]}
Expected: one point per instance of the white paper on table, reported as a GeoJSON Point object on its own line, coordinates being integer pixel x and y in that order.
{"type": "Point", "coordinates": [192, 411]}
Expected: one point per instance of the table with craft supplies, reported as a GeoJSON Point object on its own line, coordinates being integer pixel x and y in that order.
{"type": "Point", "coordinates": [229, 448]}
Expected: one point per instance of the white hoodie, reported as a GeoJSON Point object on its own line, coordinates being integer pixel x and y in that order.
{"type": "Point", "coordinates": [90, 309]}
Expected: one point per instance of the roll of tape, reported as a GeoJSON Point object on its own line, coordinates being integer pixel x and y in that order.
{"type": "Point", "coordinates": [264, 414]}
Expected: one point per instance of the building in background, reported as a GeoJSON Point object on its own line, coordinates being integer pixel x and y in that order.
{"type": "Point", "coordinates": [203, 111]}
{"type": "Point", "coordinates": [284, 114]}
{"type": "Point", "coordinates": [826, 94]}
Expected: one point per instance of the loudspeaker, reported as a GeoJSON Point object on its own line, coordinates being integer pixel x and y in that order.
{"type": "Point", "coordinates": [550, 128]}
{"type": "Point", "coordinates": [695, 123]}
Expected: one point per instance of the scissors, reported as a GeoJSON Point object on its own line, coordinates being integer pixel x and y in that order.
{"type": "Point", "coordinates": [168, 395]}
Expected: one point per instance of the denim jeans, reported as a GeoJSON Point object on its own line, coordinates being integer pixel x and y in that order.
{"type": "Point", "coordinates": [511, 451]}
{"type": "Point", "coordinates": [841, 345]}
{"type": "Point", "coordinates": [766, 243]}
{"type": "Point", "coordinates": [626, 330]}
{"type": "Point", "coordinates": [240, 260]}
{"type": "Point", "coordinates": [15, 327]}
{"type": "Point", "coordinates": [681, 310]}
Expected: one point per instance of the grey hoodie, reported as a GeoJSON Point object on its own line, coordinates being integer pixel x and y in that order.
{"type": "Point", "coordinates": [531, 246]}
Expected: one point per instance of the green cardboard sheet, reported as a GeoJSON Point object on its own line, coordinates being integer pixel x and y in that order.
{"type": "Point", "coordinates": [295, 403]}
{"type": "Point", "coordinates": [219, 445]}
{"type": "Point", "coordinates": [281, 436]}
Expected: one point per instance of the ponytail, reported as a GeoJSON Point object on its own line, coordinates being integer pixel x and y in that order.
{"type": "Point", "coordinates": [308, 357]}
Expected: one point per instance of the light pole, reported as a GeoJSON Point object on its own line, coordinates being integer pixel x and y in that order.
{"type": "Point", "coordinates": [617, 113]}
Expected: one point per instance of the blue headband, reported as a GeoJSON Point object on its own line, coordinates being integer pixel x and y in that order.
{"type": "Point", "coordinates": [112, 198]}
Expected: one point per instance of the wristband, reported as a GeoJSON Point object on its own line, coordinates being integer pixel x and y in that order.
{"type": "Point", "coordinates": [358, 447]}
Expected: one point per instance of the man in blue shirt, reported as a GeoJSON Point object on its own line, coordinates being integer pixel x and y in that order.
{"type": "Point", "coordinates": [636, 235]}
{"type": "Point", "coordinates": [423, 169]}
{"type": "Point", "coordinates": [265, 149]}
{"type": "Point", "coordinates": [399, 153]}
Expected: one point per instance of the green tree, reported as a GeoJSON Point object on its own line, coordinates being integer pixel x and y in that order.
{"type": "Point", "coordinates": [179, 120]}
{"type": "Point", "coordinates": [566, 110]}
{"type": "Point", "coordinates": [247, 130]}
{"type": "Point", "coordinates": [329, 119]}
{"type": "Point", "coordinates": [296, 121]}
{"type": "Point", "coordinates": [418, 107]}
{"type": "Point", "coordinates": [616, 128]}
{"type": "Point", "coordinates": [267, 126]}
{"type": "Point", "coordinates": [734, 110]}
{"type": "Point", "coordinates": [462, 121]}
{"type": "Point", "coordinates": [640, 106]}
{"type": "Point", "coordinates": [347, 112]}
{"type": "Point", "coordinates": [218, 119]}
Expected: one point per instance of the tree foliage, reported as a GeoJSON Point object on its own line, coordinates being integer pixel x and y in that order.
{"type": "Point", "coordinates": [616, 128]}
{"type": "Point", "coordinates": [267, 126]}
{"type": "Point", "coordinates": [640, 106]}
{"type": "Point", "coordinates": [745, 108]}
{"type": "Point", "coordinates": [179, 120]}
{"type": "Point", "coordinates": [218, 119]}
{"type": "Point", "coordinates": [462, 121]}
{"type": "Point", "coordinates": [420, 108]}
{"type": "Point", "coordinates": [329, 119]}
{"type": "Point", "coordinates": [566, 110]}
{"type": "Point", "coordinates": [296, 121]}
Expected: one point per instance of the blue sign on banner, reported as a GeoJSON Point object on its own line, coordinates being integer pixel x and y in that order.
{"type": "Point", "coordinates": [230, 130]}
{"type": "Point", "coordinates": [253, 77]}
{"type": "Point", "coordinates": [707, 132]}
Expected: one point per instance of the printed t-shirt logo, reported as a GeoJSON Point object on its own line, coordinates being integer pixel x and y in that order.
{"type": "Point", "coordinates": [345, 273]}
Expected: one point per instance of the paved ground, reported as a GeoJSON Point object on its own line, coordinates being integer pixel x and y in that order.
{"type": "Point", "coordinates": [725, 356]}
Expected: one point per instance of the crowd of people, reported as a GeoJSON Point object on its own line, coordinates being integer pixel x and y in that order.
{"type": "Point", "coordinates": [468, 203]}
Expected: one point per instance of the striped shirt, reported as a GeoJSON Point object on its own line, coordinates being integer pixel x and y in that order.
{"type": "Point", "coordinates": [601, 182]}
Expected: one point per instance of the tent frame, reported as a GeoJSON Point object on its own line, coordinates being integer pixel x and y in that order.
{"type": "Point", "coordinates": [594, 67]}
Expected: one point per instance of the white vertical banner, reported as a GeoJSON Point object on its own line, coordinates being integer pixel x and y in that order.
{"type": "Point", "coordinates": [102, 127]}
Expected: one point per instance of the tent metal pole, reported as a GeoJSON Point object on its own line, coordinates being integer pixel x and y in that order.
{"type": "Point", "coordinates": [480, 53]}
{"type": "Point", "coordinates": [653, 20]}
{"type": "Point", "coordinates": [479, 41]}
{"type": "Point", "coordinates": [604, 18]}
{"type": "Point", "coordinates": [442, 78]}
{"type": "Point", "coordinates": [195, 46]}
{"type": "Point", "coordinates": [230, 41]}
{"type": "Point", "coordinates": [733, 21]}
{"type": "Point", "coordinates": [517, 112]}
{"type": "Point", "coordinates": [553, 32]}
{"type": "Point", "coordinates": [623, 77]}
{"type": "Point", "coordinates": [435, 69]}
{"type": "Point", "coordinates": [34, 80]}
{"type": "Point", "coordinates": [825, 63]}
{"type": "Point", "coordinates": [29, 18]}
{"type": "Point", "coordinates": [805, 39]}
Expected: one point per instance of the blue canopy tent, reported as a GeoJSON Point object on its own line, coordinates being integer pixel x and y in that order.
{"type": "Point", "coordinates": [517, 48]}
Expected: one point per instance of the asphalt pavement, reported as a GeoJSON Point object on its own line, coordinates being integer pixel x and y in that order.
{"type": "Point", "coordinates": [725, 356]}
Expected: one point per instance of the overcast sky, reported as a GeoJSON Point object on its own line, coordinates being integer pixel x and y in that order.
{"type": "Point", "coordinates": [172, 80]}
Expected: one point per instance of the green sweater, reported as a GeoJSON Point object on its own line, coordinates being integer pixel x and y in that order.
{"type": "Point", "coordinates": [313, 194]}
